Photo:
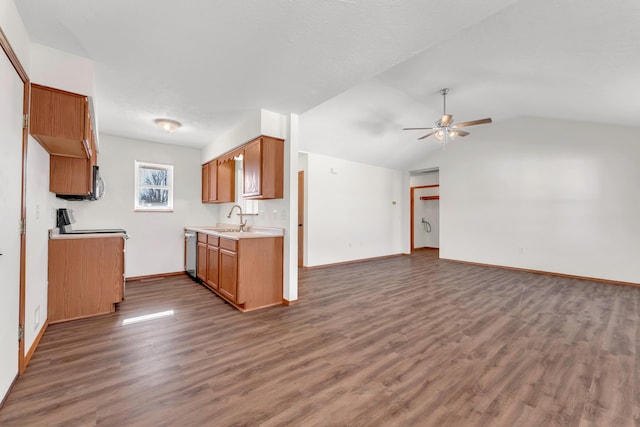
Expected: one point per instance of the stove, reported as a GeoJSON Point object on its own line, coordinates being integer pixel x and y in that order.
{"type": "Point", "coordinates": [96, 231]}
{"type": "Point", "coordinates": [64, 218]}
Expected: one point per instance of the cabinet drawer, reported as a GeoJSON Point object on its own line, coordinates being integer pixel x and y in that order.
{"type": "Point", "coordinates": [212, 240]}
{"type": "Point", "coordinates": [202, 238]}
{"type": "Point", "coordinates": [228, 244]}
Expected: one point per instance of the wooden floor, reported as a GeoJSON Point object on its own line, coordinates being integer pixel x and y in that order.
{"type": "Point", "coordinates": [406, 341]}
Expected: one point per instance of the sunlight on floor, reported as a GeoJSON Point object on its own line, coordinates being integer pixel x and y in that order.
{"type": "Point", "coordinates": [145, 317]}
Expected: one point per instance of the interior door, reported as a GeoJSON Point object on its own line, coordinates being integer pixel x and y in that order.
{"type": "Point", "coordinates": [11, 110]}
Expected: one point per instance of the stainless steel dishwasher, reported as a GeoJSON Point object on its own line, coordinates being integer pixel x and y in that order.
{"type": "Point", "coordinates": [191, 253]}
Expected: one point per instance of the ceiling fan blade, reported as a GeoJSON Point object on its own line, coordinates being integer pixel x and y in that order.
{"type": "Point", "coordinates": [427, 135]}
{"type": "Point", "coordinates": [417, 128]}
{"type": "Point", "coordinates": [446, 120]}
{"type": "Point", "coordinates": [472, 123]}
{"type": "Point", "coordinates": [459, 132]}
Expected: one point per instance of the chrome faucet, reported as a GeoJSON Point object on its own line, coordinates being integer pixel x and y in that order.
{"type": "Point", "coordinates": [243, 221]}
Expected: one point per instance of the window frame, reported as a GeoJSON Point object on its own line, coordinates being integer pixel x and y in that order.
{"type": "Point", "coordinates": [137, 206]}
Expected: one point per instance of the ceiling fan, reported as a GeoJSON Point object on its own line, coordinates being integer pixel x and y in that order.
{"type": "Point", "coordinates": [445, 129]}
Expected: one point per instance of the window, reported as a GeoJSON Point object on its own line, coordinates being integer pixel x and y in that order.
{"type": "Point", "coordinates": [154, 187]}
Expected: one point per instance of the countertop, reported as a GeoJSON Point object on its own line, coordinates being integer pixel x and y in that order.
{"type": "Point", "coordinates": [55, 235]}
{"type": "Point", "coordinates": [251, 233]}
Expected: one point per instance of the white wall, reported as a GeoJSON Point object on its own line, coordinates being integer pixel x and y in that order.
{"type": "Point", "coordinates": [41, 205]}
{"type": "Point", "coordinates": [157, 238]}
{"type": "Point", "coordinates": [425, 178]}
{"type": "Point", "coordinates": [15, 31]}
{"type": "Point", "coordinates": [354, 211]}
{"type": "Point", "coordinates": [549, 195]}
{"type": "Point", "coordinates": [62, 70]}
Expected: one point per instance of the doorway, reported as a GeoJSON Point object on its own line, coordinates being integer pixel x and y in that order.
{"type": "Point", "coordinates": [425, 210]}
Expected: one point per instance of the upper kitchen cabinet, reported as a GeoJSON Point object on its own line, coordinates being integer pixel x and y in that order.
{"type": "Point", "coordinates": [61, 122]}
{"type": "Point", "coordinates": [205, 183]}
{"type": "Point", "coordinates": [263, 164]}
{"type": "Point", "coordinates": [226, 182]}
{"type": "Point", "coordinates": [218, 181]}
{"type": "Point", "coordinates": [70, 176]}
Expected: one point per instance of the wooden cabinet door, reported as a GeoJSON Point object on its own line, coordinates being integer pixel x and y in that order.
{"type": "Point", "coordinates": [212, 267]}
{"type": "Point", "coordinates": [70, 175]}
{"type": "Point", "coordinates": [263, 163]}
{"type": "Point", "coordinates": [218, 181]}
{"type": "Point", "coordinates": [252, 165]}
{"type": "Point", "coordinates": [228, 283]}
{"type": "Point", "coordinates": [201, 269]}
{"type": "Point", "coordinates": [213, 181]}
{"type": "Point", "coordinates": [205, 183]}
{"type": "Point", "coordinates": [226, 181]}
{"type": "Point", "coordinates": [116, 253]}
{"type": "Point", "coordinates": [58, 121]}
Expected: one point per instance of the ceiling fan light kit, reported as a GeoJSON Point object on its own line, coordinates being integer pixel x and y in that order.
{"type": "Point", "coordinates": [445, 130]}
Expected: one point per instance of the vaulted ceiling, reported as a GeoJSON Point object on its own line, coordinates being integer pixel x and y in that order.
{"type": "Point", "coordinates": [357, 71]}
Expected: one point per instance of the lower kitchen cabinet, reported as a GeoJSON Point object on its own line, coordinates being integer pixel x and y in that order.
{"type": "Point", "coordinates": [246, 272]}
{"type": "Point", "coordinates": [229, 275]}
{"type": "Point", "coordinates": [201, 262]}
{"type": "Point", "coordinates": [86, 277]}
{"type": "Point", "coordinates": [212, 262]}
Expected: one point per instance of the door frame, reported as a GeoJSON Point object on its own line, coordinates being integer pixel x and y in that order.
{"type": "Point", "coordinates": [413, 189]}
{"type": "Point", "coordinates": [13, 58]}
{"type": "Point", "coordinates": [300, 219]}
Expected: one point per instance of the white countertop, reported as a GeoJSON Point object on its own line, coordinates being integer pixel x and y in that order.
{"type": "Point", "coordinates": [236, 234]}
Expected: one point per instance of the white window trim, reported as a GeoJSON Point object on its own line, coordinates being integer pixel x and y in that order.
{"type": "Point", "coordinates": [144, 208]}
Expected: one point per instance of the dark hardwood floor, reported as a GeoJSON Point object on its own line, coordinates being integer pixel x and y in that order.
{"type": "Point", "coordinates": [405, 341]}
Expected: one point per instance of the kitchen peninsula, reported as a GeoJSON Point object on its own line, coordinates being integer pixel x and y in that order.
{"type": "Point", "coordinates": [242, 267]}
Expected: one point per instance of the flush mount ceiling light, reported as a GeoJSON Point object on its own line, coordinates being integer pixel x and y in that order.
{"type": "Point", "coordinates": [168, 125]}
{"type": "Point", "coordinates": [444, 129]}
